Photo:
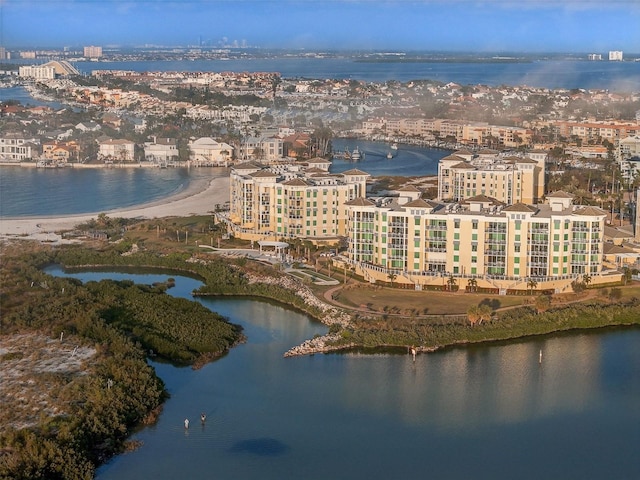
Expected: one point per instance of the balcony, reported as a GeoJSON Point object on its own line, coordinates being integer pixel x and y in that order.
{"type": "Point", "coordinates": [495, 264]}
{"type": "Point", "coordinates": [494, 241]}
{"type": "Point", "coordinates": [441, 228]}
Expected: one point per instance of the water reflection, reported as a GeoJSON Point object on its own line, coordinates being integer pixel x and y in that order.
{"type": "Point", "coordinates": [481, 412]}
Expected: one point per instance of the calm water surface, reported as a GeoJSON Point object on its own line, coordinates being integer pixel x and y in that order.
{"type": "Point", "coordinates": [483, 412]}
{"type": "Point", "coordinates": [408, 160]}
{"type": "Point", "coordinates": [617, 76]}
{"type": "Point", "coordinates": [65, 191]}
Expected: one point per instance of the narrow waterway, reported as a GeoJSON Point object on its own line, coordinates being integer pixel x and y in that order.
{"type": "Point", "coordinates": [492, 412]}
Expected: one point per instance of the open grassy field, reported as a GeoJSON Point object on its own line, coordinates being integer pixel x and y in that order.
{"type": "Point", "coordinates": [409, 302]}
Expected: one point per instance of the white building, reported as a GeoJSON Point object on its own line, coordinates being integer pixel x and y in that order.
{"type": "Point", "coordinates": [628, 147]}
{"type": "Point", "coordinates": [92, 52]}
{"type": "Point", "coordinates": [206, 151]}
{"type": "Point", "coordinates": [161, 150]}
{"type": "Point", "coordinates": [615, 56]}
{"type": "Point", "coordinates": [118, 150]}
{"type": "Point", "coordinates": [38, 72]}
{"type": "Point", "coordinates": [15, 147]}
{"type": "Point", "coordinates": [266, 150]}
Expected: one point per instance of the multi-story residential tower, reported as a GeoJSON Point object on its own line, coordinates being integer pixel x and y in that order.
{"type": "Point", "coordinates": [92, 52]}
{"type": "Point", "coordinates": [422, 242]}
{"type": "Point", "coordinates": [291, 200]}
{"type": "Point", "coordinates": [508, 179]}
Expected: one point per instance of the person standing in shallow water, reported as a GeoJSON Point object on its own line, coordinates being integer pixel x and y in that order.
{"type": "Point", "coordinates": [203, 417]}
{"type": "Point", "coordinates": [186, 423]}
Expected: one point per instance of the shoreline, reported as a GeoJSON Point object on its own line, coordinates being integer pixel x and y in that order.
{"type": "Point", "coordinates": [199, 197]}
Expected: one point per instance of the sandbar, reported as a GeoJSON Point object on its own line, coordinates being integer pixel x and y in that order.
{"type": "Point", "coordinates": [198, 198]}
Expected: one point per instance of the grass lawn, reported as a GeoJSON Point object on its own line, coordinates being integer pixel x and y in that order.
{"type": "Point", "coordinates": [394, 300]}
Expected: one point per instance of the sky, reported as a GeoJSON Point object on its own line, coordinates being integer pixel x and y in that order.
{"type": "Point", "coordinates": [536, 26]}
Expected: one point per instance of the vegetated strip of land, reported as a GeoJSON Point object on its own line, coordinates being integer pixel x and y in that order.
{"type": "Point", "coordinates": [440, 332]}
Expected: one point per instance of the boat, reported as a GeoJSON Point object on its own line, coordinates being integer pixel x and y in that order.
{"type": "Point", "coordinates": [394, 146]}
{"type": "Point", "coordinates": [389, 155]}
{"type": "Point", "coordinates": [355, 155]}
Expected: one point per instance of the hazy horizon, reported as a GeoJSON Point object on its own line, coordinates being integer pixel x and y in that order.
{"type": "Point", "coordinates": [456, 26]}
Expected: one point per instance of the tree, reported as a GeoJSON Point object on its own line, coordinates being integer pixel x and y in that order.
{"type": "Point", "coordinates": [451, 282]}
{"type": "Point", "coordinates": [473, 315]}
{"type": "Point", "coordinates": [586, 279]}
{"type": "Point", "coordinates": [485, 312]}
{"type": "Point", "coordinates": [472, 284]}
{"type": "Point", "coordinates": [543, 302]}
{"type": "Point", "coordinates": [532, 284]}
{"type": "Point", "coordinates": [391, 276]}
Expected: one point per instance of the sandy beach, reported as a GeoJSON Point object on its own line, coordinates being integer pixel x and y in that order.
{"type": "Point", "coordinates": [200, 197]}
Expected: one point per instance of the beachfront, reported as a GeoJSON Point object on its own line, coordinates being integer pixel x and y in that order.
{"type": "Point", "coordinates": [199, 198]}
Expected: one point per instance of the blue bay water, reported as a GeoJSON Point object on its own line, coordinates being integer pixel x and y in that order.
{"type": "Point", "coordinates": [616, 76]}
{"type": "Point", "coordinates": [67, 191]}
{"type": "Point", "coordinates": [484, 412]}
{"type": "Point", "coordinates": [406, 161]}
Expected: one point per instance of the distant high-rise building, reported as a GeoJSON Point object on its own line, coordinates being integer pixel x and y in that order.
{"type": "Point", "coordinates": [594, 56]}
{"type": "Point", "coordinates": [615, 55]}
{"type": "Point", "coordinates": [28, 54]}
{"type": "Point", "coordinates": [93, 52]}
{"type": "Point", "coordinates": [4, 55]}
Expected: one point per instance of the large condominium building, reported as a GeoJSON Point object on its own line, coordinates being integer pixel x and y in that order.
{"type": "Point", "coordinates": [38, 72]}
{"type": "Point", "coordinates": [291, 200]}
{"type": "Point", "coordinates": [469, 133]}
{"type": "Point", "coordinates": [92, 52]}
{"type": "Point", "coordinates": [597, 131]}
{"type": "Point", "coordinates": [508, 179]}
{"type": "Point", "coordinates": [422, 242]}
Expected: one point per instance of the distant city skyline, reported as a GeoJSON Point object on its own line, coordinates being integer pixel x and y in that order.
{"type": "Point", "coordinates": [533, 26]}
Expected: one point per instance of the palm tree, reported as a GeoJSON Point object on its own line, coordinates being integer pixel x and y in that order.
{"type": "Point", "coordinates": [472, 284]}
{"type": "Point", "coordinates": [392, 276]}
{"type": "Point", "coordinates": [451, 282]}
{"type": "Point", "coordinates": [473, 315]}
{"type": "Point", "coordinates": [485, 312]}
{"type": "Point", "coordinates": [586, 279]}
{"type": "Point", "coordinates": [532, 285]}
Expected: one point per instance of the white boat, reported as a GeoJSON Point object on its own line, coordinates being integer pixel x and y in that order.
{"type": "Point", "coordinates": [355, 155]}
{"type": "Point", "coordinates": [389, 155]}
{"type": "Point", "coordinates": [394, 146]}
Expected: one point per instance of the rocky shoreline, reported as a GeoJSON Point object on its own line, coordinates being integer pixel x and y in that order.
{"type": "Point", "coordinates": [331, 315]}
